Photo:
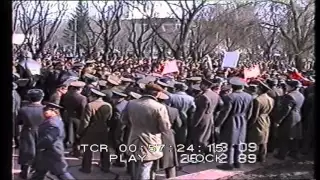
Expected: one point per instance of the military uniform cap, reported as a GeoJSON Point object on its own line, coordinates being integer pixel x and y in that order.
{"type": "Point", "coordinates": [294, 83]}
{"type": "Point", "coordinates": [35, 93]}
{"type": "Point", "coordinates": [237, 81]}
{"type": "Point", "coordinates": [194, 79]}
{"type": "Point", "coordinates": [272, 82]}
{"type": "Point", "coordinates": [118, 92]}
{"type": "Point", "coordinates": [102, 83]}
{"type": "Point", "coordinates": [14, 86]}
{"type": "Point", "coordinates": [226, 87]}
{"type": "Point", "coordinates": [91, 77]}
{"type": "Point", "coordinates": [142, 85]}
{"type": "Point", "coordinates": [52, 106]}
{"type": "Point", "coordinates": [16, 75]}
{"type": "Point", "coordinates": [90, 61]}
{"type": "Point", "coordinates": [77, 84]}
{"type": "Point", "coordinates": [115, 80]}
{"type": "Point", "coordinates": [139, 76]}
{"type": "Point", "coordinates": [78, 65]}
{"type": "Point", "coordinates": [146, 80]}
{"type": "Point", "coordinates": [22, 82]}
{"type": "Point", "coordinates": [134, 95]}
{"type": "Point", "coordinates": [163, 84]}
{"type": "Point", "coordinates": [181, 86]}
{"type": "Point", "coordinates": [127, 79]}
{"type": "Point", "coordinates": [96, 92]}
{"type": "Point", "coordinates": [196, 87]}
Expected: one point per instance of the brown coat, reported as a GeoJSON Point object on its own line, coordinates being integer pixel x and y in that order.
{"type": "Point", "coordinates": [202, 124]}
{"type": "Point", "coordinates": [146, 119]}
{"type": "Point", "coordinates": [93, 125]}
{"type": "Point", "coordinates": [259, 123]}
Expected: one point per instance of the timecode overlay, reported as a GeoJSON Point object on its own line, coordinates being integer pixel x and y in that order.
{"type": "Point", "coordinates": [218, 153]}
{"type": "Point", "coordinates": [127, 153]}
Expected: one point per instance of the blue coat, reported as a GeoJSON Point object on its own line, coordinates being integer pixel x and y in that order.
{"type": "Point", "coordinates": [50, 149]}
{"type": "Point", "coordinates": [233, 117]}
{"type": "Point", "coordinates": [186, 107]}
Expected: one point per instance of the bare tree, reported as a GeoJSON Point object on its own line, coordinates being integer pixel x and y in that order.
{"type": "Point", "coordinates": [110, 13]}
{"type": "Point", "coordinates": [296, 27]}
{"type": "Point", "coordinates": [39, 18]}
{"type": "Point", "coordinates": [140, 32]}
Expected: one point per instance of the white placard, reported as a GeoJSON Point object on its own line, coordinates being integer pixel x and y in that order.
{"type": "Point", "coordinates": [230, 59]}
{"type": "Point", "coordinates": [17, 39]}
{"type": "Point", "coordinates": [33, 66]}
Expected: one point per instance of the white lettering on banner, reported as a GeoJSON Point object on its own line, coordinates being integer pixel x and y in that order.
{"type": "Point", "coordinates": [230, 59]}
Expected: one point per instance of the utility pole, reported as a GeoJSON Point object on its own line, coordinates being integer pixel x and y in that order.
{"type": "Point", "coordinates": [75, 38]}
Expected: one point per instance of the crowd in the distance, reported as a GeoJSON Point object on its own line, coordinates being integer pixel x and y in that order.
{"type": "Point", "coordinates": [129, 101]}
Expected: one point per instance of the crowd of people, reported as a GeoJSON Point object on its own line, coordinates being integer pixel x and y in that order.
{"type": "Point", "coordinates": [129, 102]}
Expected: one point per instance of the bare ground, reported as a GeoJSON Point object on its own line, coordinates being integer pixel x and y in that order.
{"type": "Point", "coordinates": [291, 169]}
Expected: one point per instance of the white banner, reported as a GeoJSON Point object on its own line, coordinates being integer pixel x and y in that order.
{"type": "Point", "coordinates": [17, 39]}
{"type": "Point", "coordinates": [230, 59]}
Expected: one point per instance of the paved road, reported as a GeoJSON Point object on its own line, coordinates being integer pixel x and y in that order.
{"type": "Point", "coordinates": [189, 171]}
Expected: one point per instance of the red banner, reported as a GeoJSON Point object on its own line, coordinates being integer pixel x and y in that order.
{"type": "Point", "coordinates": [251, 72]}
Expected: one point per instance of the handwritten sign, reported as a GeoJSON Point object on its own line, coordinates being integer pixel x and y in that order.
{"type": "Point", "coordinates": [230, 59]}
{"type": "Point", "coordinates": [251, 72]}
{"type": "Point", "coordinates": [170, 67]}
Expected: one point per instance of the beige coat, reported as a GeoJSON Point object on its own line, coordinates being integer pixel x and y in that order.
{"type": "Point", "coordinates": [146, 119]}
{"type": "Point", "coordinates": [259, 123]}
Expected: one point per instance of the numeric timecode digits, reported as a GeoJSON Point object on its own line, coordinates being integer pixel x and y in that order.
{"type": "Point", "coordinates": [218, 148]}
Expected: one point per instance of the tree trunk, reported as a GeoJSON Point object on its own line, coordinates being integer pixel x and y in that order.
{"type": "Point", "coordinates": [299, 62]}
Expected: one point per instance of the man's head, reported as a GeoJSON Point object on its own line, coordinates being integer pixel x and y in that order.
{"type": "Point", "coordinates": [205, 84]}
{"type": "Point", "coordinates": [153, 89]}
{"type": "Point", "coordinates": [117, 96]}
{"type": "Point", "coordinates": [77, 86]}
{"type": "Point", "coordinates": [35, 95]}
{"type": "Point", "coordinates": [51, 110]}
{"type": "Point", "coordinates": [292, 85]}
{"type": "Point", "coordinates": [237, 83]}
{"type": "Point", "coordinates": [62, 88]}
{"type": "Point", "coordinates": [95, 94]}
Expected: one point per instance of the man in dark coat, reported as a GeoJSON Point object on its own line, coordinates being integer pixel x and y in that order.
{"type": "Point", "coordinates": [186, 107]}
{"type": "Point", "coordinates": [169, 161]}
{"type": "Point", "coordinates": [94, 130]}
{"type": "Point", "coordinates": [259, 123]}
{"type": "Point", "coordinates": [308, 125]}
{"type": "Point", "coordinates": [16, 104]}
{"type": "Point", "coordinates": [30, 116]}
{"type": "Point", "coordinates": [119, 104]}
{"type": "Point", "coordinates": [202, 124]}
{"type": "Point", "coordinates": [50, 150]}
{"type": "Point", "coordinates": [74, 104]}
{"type": "Point", "coordinates": [231, 123]}
{"type": "Point", "coordinates": [288, 120]}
